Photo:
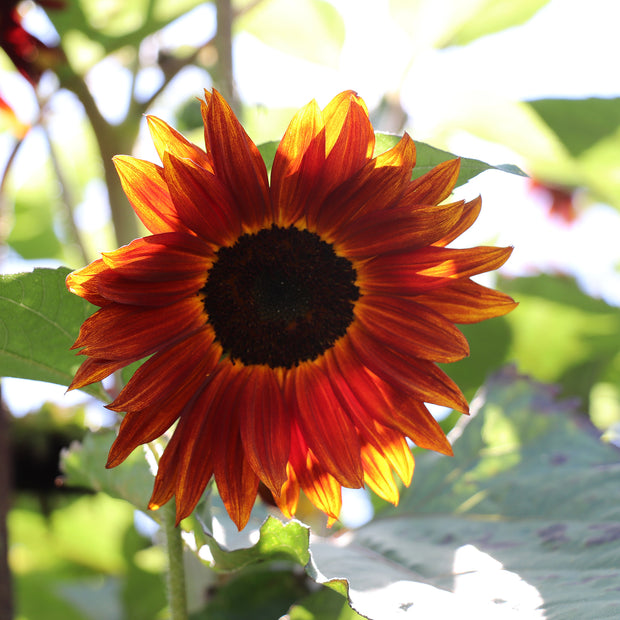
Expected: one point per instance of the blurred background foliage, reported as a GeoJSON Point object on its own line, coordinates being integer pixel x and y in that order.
{"type": "Point", "coordinates": [77, 77]}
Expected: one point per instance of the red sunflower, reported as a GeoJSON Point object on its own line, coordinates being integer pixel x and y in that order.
{"type": "Point", "coordinates": [292, 326]}
{"type": "Point", "coordinates": [29, 55]}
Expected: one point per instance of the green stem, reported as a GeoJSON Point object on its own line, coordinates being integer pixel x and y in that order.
{"type": "Point", "coordinates": [177, 599]}
{"type": "Point", "coordinates": [66, 196]}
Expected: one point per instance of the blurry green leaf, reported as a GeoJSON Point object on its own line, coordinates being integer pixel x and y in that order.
{"type": "Point", "coordinates": [264, 591]}
{"type": "Point", "coordinates": [490, 16]}
{"type": "Point", "coordinates": [580, 123]}
{"type": "Point", "coordinates": [562, 335]}
{"type": "Point", "coordinates": [310, 29]}
{"type": "Point", "coordinates": [66, 562]}
{"type": "Point", "coordinates": [521, 522]}
{"type": "Point", "coordinates": [39, 321]}
{"type": "Point", "coordinates": [326, 604]}
{"type": "Point", "coordinates": [427, 157]}
{"type": "Point", "coordinates": [277, 540]}
{"type": "Point", "coordinates": [440, 23]}
{"type": "Point", "coordinates": [32, 232]}
{"type": "Point", "coordinates": [116, 23]}
{"type": "Point", "coordinates": [268, 152]}
{"type": "Point", "coordinates": [489, 345]}
{"type": "Point", "coordinates": [143, 592]}
{"type": "Point", "coordinates": [569, 146]}
{"type": "Point", "coordinates": [84, 466]}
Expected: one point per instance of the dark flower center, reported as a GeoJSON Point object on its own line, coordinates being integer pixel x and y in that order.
{"type": "Point", "coordinates": [279, 297]}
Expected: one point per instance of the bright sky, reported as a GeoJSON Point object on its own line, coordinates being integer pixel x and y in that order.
{"type": "Point", "coordinates": [569, 49]}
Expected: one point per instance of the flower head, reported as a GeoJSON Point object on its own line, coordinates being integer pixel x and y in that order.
{"type": "Point", "coordinates": [292, 326]}
{"type": "Point", "coordinates": [29, 55]}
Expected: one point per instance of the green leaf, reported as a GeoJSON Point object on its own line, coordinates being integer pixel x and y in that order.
{"type": "Point", "coordinates": [570, 143]}
{"type": "Point", "coordinates": [39, 321]}
{"type": "Point", "coordinates": [310, 29]}
{"type": "Point", "coordinates": [83, 465]}
{"type": "Point", "coordinates": [427, 157]}
{"type": "Point", "coordinates": [277, 540]}
{"type": "Point", "coordinates": [440, 23]}
{"type": "Point", "coordinates": [579, 123]}
{"type": "Point", "coordinates": [326, 604]}
{"type": "Point", "coordinates": [490, 16]}
{"type": "Point", "coordinates": [268, 152]}
{"type": "Point", "coordinates": [522, 520]}
{"type": "Point", "coordinates": [264, 591]}
{"type": "Point", "coordinates": [561, 335]}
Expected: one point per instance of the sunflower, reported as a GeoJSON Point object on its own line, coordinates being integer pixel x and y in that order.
{"type": "Point", "coordinates": [291, 326]}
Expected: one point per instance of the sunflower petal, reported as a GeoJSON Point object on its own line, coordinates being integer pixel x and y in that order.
{"type": "Point", "coordinates": [426, 269]}
{"type": "Point", "coordinates": [376, 187]}
{"type": "Point", "coordinates": [331, 438]}
{"type": "Point", "coordinates": [202, 201]}
{"type": "Point", "coordinates": [409, 328]}
{"type": "Point", "coordinates": [298, 165]}
{"type": "Point", "coordinates": [434, 186]}
{"type": "Point", "coordinates": [80, 282]}
{"type": "Point", "coordinates": [399, 229]}
{"type": "Point", "coordinates": [288, 499]}
{"type": "Point", "coordinates": [166, 256]}
{"type": "Point", "coordinates": [374, 405]}
{"type": "Point", "coordinates": [237, 162]}
{"type": "Point", "coordinates": [265, 427]}
{"type": "Point", "coordinates": [169, 372]}
{"type": "Point", "coordinates": [93, 370]}
{"type": "Point", "coordinates": [378, 474]}
{"type": "Point", "coordinates": [199, 424]}
{"type": "Point", "coordinates": [138, 332]}
{"type": "Point", "coordinates": [144, 185]}
{"type": "Point", "coordinates": [417, 377]}
{"type": "Point", "coordinates": [465, 301]}
{"type": "Point", "coordinates": [470, 213]}
{"type": "Point", "coordinates": [168, 140]}
{"type": "Point", "coordinates": [321, 488]}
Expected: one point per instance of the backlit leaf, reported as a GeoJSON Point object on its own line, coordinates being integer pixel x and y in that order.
{"type": "Point", "coordinates": [521, 522]}
{"type": "Point", "coordinates": [39, 321]}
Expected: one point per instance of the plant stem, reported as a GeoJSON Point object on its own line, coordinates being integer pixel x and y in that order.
{"type": "Point", "coordinates": [112, 140]}
{"type": "Point", "coordinates": [66, 196]}
{"type": "Point", "coordinates": [177, 599]}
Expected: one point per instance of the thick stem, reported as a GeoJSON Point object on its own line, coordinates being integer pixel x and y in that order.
{"type": "Point", "coordinates": [177, 598]}
{"type": "Point", "coordinates": [112, 140]}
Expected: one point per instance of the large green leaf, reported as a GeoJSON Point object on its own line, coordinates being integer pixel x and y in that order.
{"type": "Point", "coordinates": [440, 23]}
{"type": "Point", "coordinates": [580, 123]}
{"type": "Point", "coordinates": [39, 321]}
{"type": "Point", "coordinates": [490, 16]}
{"type": "Point", "coordinates": [276, 540]}
{"type": "Point", "coordinates": [560, 334]}
{"type": "Point", "coordinates": [521, 522]}
{"type": "Point", "coordinates": [571, 143]}
{"type": "Point", "coordinates": [83, 465]}
{"type": "Point", "coordinates": [310, 29]}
